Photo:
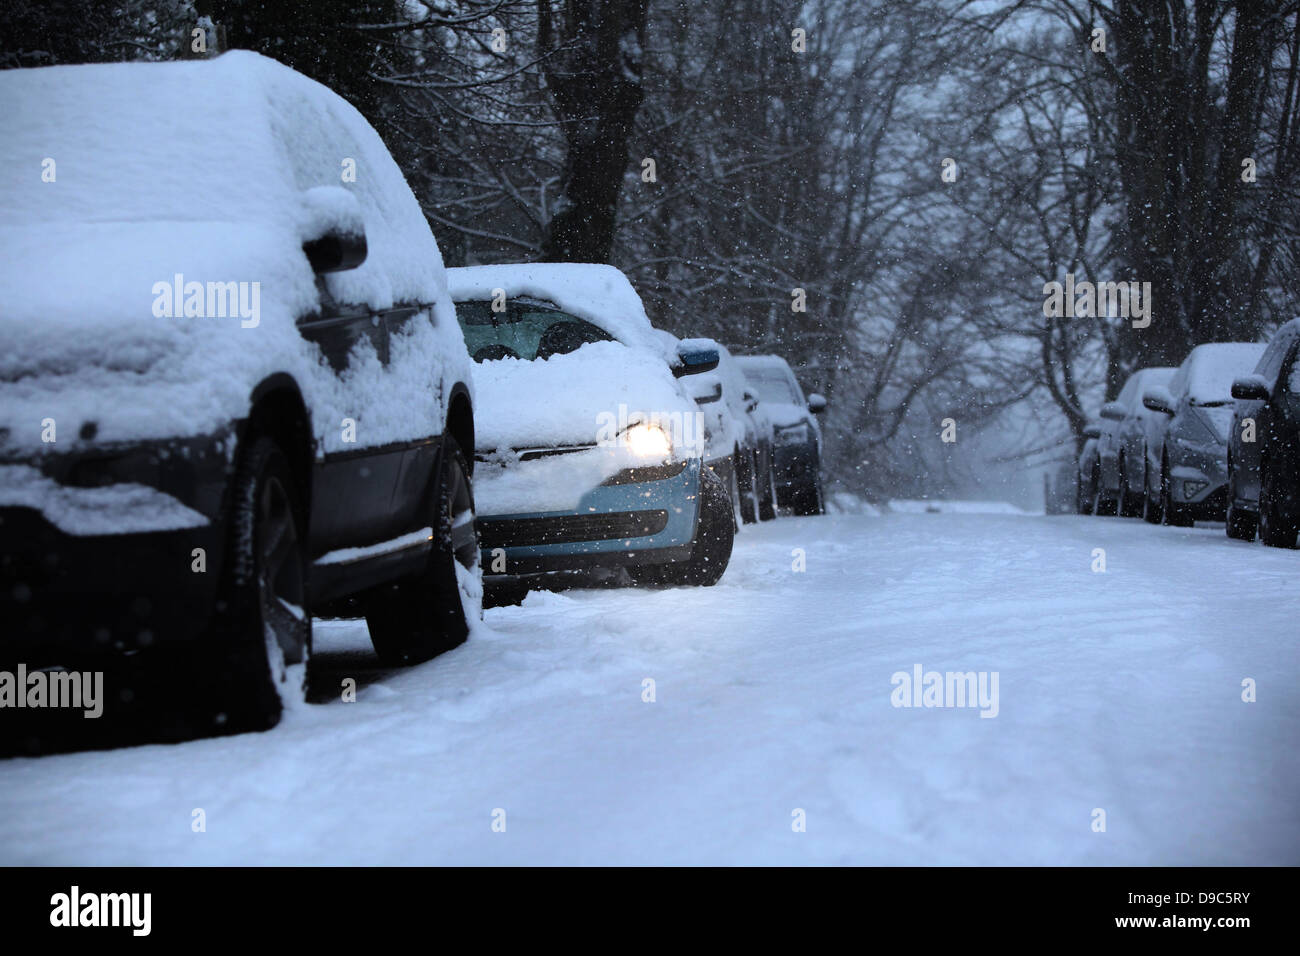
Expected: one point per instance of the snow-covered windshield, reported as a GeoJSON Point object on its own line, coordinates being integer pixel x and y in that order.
{"type": "Point", "coordinates": [1213, 368]}
{"type": "Point", "coordinates": [772, 385]}
{"type": "Point", "coordinates": [523, 331]}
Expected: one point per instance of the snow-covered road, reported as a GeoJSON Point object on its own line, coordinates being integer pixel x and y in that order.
{"type": "Point", "coordinates": [1119, 691]}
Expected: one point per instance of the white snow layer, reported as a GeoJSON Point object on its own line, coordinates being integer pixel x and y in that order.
{"type": "Point", "coordinates": [1118, 691]}
{"type": "Point", "coordinates": [1212, 367]}
{"type": "Point", "coordinates": [600, 294]}
{"type": "Point", "coordinates": [124, 508]}
{"type": "Point", "coordinates": [228, 195]}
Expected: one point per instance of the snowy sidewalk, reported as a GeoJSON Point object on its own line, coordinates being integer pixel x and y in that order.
{"type": "Point", "coordinates": [1119, 691]}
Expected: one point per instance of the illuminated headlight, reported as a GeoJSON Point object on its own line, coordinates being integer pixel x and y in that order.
{"type": "Point", "coordinates": [1193, 488]}
{"type": "Point", "coordinates": [648, 441]}
{"type": "Point", "coordinates": [795, 435]}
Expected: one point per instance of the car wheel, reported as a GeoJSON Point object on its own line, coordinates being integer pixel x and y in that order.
{"type": "Point", "coordinates": [1101, 504]}
{"type": "Point", "coordinates": [416, 619]}
{"type": "Point", "coordinates": [1242, 524]}
{"type": "Point", "coordinates": [264, 623]}
{"type": "Point", "coordinates": [711, 551]}
{"type": "Point", "coordinates": [753, 495]}
{"type": "Point", "coordinates": [767, 509]}
{"type": "Point", "coordinates": [807, 498]}
{"type": "Point", "coordinates": [1152, 513]}
{"type": "Point", "coordinates": [737, 495]}
{"type": "Point", "coordinates": [1129, 505]}
{"type": "Point", "coordinates": [1278, 518]}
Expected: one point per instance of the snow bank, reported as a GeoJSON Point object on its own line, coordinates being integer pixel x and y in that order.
{"type": "Point", "coordinates": [846, 503]}
{"type": "Point", "coordinates": [941, 506]}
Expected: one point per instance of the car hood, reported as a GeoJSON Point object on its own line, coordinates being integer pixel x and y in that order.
{"type": "Point", "coordinates": [1217, 420]}
{"type": "Point", "coordinates": [577, 399]}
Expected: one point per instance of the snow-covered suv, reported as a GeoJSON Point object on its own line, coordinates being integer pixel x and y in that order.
{"type": "Point", "coordinates": [233, 392]}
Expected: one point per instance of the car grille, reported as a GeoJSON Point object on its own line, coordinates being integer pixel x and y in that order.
{"type": "Point", "coordinates": [565, 529]}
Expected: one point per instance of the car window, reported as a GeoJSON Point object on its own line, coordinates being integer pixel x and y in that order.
{"type": "Point", "coordinates": [523, 331]}
{"type": "Point", "coordinates": [773, 385]}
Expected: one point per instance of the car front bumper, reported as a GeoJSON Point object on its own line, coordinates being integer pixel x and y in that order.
{"type": "Point", "coordinates": [638, 517]}
{"type": "Point", "coordinates": [99, 549]}
{"type": "Point", "coordinates": [1198, 479]}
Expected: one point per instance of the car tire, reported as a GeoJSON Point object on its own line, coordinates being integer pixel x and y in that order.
{"type": "Point", "coordinates": [414, 620]}
{"type": "Point", "coordinates": [1279, 521]}
{"type": "Point", "coordinates": [767, 506]}
{"type": "Point", "coordinates": [1129, 505]}
{"type": "Point", "coordinates": [1152, 513]}
{"type": "Point", "coordinates": [243, 680]}
{"type": "Point", "coordinates": [1242, 525]}
{"type": "Point", "coordinates": [807, 498]}
{"type": "Point", "coordinates": [1102, 506]}
{"type": "Point", "coordinates": [711, 550]}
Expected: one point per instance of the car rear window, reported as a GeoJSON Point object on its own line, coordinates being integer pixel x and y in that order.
{"type": "Point", "coordinates": [773, 385]}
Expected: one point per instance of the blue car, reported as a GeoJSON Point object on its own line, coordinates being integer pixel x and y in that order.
{"type": "Point", "coordinates": [589, 450]}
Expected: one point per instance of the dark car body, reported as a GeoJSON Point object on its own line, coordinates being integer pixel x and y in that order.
{"type": "Point", "coordinates": [1187, 453]}
{"type": "Point", "coordinates": [1121, 448]}
{"type": "Point", "coordinates": [797, 435]}
{"type": "Point", "coordinates": [1264, 444]}
{"type": "Point", "coordinates": [739, 436]}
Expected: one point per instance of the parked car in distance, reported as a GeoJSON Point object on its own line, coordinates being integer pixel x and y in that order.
{"type": "Point", "coordinates": [1264, 445]}
{"type": "Point", "coordinates": [738, 436]}
{"type": "Point", "coordinates": [590, 449]}
{"type": "Point", "coordinates": [1087, 471]}
{"type": "Point", "coordinates": [1122, 446]}
{"type": "Point", "coordinates": [1187, 455]}
{"type": "Point", "coordinates": [797, 436]}
{"type": "Point", "coordinates": [288, 430]}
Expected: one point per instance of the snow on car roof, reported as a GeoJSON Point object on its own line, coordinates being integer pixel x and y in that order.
{"type": "Point", "coordinates": [244, 135]}
{"type": "Point", "coordinates": [1210, 368]}
{"type": "Point", "coordinates": [600, 294]}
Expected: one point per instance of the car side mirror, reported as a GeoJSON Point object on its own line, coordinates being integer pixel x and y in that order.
{"type": "Point", "coordinates": [333, 229]}
{"type": "Point", "coordinates": [1250, 388]}
{"type": "Point", "coordinates": [816, 403]}
{"type": "Point", "coordinates": [695, 356]}
{"type": "Point", "coordinates": [1159, 399]}
{"type": "Point", "coordinates": [1113, 411]}
{"type": "Point", "coordinates": [751, 401]}
{"type": "Point", "coordinates": [1092, 430]}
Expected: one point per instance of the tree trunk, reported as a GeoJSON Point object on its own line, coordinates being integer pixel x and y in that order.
{"type": "Point", "coordinates": [593, 70]}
